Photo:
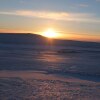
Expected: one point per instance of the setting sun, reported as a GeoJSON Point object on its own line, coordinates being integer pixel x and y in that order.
{"type": "Point", "coordinates": [50, 33]}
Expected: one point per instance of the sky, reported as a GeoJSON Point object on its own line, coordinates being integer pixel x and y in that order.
{"type": "Point", "coordinates": [71, 19]}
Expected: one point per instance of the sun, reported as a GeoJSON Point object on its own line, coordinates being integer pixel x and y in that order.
{"type": "Point", "coordinates": [50, 33]}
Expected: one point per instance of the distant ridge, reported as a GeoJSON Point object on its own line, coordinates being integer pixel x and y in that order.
{"type": "Point", "coordinates": [28, 38]}
{"type": "Point", "coordinates": [21, 38]}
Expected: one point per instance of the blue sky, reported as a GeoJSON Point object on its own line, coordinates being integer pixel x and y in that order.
{"type": "Point", "coordinates": [72, 19]}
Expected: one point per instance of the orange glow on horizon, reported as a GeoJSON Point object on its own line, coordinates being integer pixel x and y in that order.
{"type": "Point", "coordinates": [50, 33]}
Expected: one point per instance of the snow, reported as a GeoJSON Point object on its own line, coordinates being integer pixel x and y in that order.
{"type": "Point", "coordinates": [38, 85]}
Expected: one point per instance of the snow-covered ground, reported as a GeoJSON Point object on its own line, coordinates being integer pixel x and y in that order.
{"type": "Point", "coordinates": [42, 73]}
{"type": "Point", "coordinates": [38, 85]}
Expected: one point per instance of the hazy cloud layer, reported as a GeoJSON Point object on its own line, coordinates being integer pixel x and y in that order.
{"type": "Point", "coordinates": [62, 16]}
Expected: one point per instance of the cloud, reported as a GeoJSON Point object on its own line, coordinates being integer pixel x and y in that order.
{"type": "Point", "coordinates": [83, 5]}
{"type": "Point", "coordinates": [61, 16]}
{"type": "Point", "coordinates": [98, 0]}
